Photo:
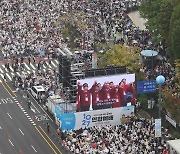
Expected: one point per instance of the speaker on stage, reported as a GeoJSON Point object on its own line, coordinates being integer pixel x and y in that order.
{"type": "Point", "coordinates": [66, 72]}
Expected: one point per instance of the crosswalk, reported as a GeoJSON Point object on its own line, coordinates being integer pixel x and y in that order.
{"type": "Point", "coordinates": [28, 68]}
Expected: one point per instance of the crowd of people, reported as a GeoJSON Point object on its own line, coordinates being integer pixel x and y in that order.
{"type": "Point", "coordinates": [47, 79]}
{"type": "Point", "coordinates": [31, 28]}
{"type": "Point", "coordinates": [135, 136]}
{"type": "Point", "coordinates": [163, 68]}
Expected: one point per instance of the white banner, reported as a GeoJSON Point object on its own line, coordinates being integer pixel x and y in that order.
{"type": "Point", "coordinates": [157, 127]}
{"type": "Point", "coordinates": [94, 60]}
{"type": "Point", "coordinates": [171, 121]}
{"type": "Point", "coordinates": [114, 116]}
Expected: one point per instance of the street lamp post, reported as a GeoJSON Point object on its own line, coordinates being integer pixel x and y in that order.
{"type": "Point", "coordinates": [160, 80]}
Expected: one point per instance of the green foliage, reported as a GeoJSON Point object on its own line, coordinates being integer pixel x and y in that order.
{"type": "Point", "coordinates": [120, 55]}
{"type": "Point", "coordinates": [150, 10]}
{"type": "Point", "coordinates": [70, 33]}
{"type": "Point", "coordinates": [143, 98]}
{"type": "Point", "coordinates": [164, 18]}
{"type": "Point", "coordinates": [174, 37]}
{"type": "Point", "coordinates": [172, 104]}
{"type": "Point", "coordinates": [177, 64]}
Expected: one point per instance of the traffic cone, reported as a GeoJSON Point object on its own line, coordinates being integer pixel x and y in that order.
{"type": "Point", "coordinates": [20, 152]}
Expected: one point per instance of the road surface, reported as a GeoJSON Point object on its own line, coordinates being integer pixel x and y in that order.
{"type": "Point", "coordinates": [19, 132]}
{"type": "Point", "coordinates": [137, 20]}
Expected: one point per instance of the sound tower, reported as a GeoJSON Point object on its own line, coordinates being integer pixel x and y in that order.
{"type": "Point", "coordinates": [66, 72]}
{"type": "Point", "coordinates": [60, 57]}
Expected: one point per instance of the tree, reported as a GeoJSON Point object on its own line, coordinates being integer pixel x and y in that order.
{"type": "Point", "coordinates": [174, 37]}
{"type": "Point", "coordinates": [177, 64]}
{"type": "Point", "coordinates": [120, 55]}
{"type": "Point", "coordinates": [164, 17]}
{"type": "Point", "coordinates": [172, 104]}
{"type": "Point", "coordinates": [70, 33]}
{"type": "Point", "coordinates": [150, 10]}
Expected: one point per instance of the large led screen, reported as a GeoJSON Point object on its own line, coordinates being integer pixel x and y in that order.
{"type": "Point", "coordinates": [105, 92]}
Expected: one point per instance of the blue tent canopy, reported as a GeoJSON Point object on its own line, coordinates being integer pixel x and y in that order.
{"type": "Point", "coordinates": [149, 53]}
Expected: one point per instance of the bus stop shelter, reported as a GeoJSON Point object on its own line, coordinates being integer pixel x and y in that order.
{"type": "Point", "coordinates": [149, 58]}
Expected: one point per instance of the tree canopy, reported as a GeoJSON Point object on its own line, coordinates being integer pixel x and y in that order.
{"type": "Point", "coordinates": [164, 19]}
{"type": "Point", "coordinates": [120, 55]}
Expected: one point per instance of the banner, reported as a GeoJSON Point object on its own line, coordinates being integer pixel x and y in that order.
{"type": "Point", "coordinates": [114, 116]}
{"type": "Point", "coordinates": [171, 121]}
{"type": "Point", "coordinates": [146, 86]}
{"type": "Point", "coordinates": [157, 127]}
{"type": "Point", "coordinates": [94, 60]}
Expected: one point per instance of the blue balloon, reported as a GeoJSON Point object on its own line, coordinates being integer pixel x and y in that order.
{"type": "Point", "coordinates": [160, 79]}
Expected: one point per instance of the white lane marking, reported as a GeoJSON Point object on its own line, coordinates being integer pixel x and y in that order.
{"type": "Point", "coordinates": [53, 64]}
{"type": "Point", "coordinates": [33, 148]}
{"type": "Point", "coordinates": [56, 61]}
{"type": "Point", "coordinates": [12, 74]}
{"type": "Point", "coordinates": [2, 76]}
{"type": "Point", "coordinates": [27, 66]}
{"type": "Point", "coordinates": [35, 107]}
{"type": "Point", "coordinates": [11, 142]}
{"type": "Point", "coordinates": [21, 131]}
{"type": "Point", "coordinates": [32, 66]}
{"type": "Point", "coordinates": [8, 76]}
{"type": "Point", "coordinates": [33, 110]}
{"type": "Point", "coordinates": [28, 72]}
{"type": "Point", "coordinates": [11, 68]}
{"type": "Point", "coordinates": [18, 73]}
{"type": "Point", "coordinates": [48, 64]}
{"type": "Point", "coordinates": [0, 127]}
{"type": "Point", "coordinates": [44, 66]}
{"type": "Point", "coordinates": [4, 66]}
{"type": "Point", "coordinates": [44, 70]}
{"type": "Point", "coordinates": [1, 70]}
{"type": "Point", "coordinates": [9, 115]}
{"type": "Point", "coordinates": [40, 106]}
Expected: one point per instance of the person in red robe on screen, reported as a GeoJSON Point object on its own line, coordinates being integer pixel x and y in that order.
{"type": "Point", "coordinates": [107, 95]}
{"type": "Point", "coordinates": [83, 97]}
{"type": "Point", "coordinates": [119, 96]}
{"type": "Point", "coordinates": [96, 96]}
